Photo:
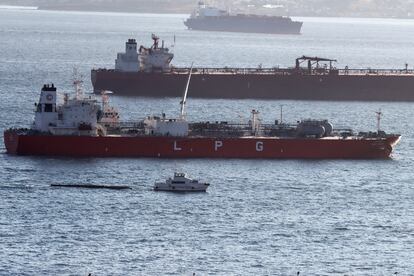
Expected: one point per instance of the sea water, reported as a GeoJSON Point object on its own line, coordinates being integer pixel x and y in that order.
{"type": "Point", "coordinates": [259, 217]}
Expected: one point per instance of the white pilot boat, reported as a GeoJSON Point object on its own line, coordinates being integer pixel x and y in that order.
{"type": "Point", "coordinates": [181, 183]}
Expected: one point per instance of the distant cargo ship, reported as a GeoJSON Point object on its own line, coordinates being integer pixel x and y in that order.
{"type": "Point", "coordinates": [83, 127]}
{"type": "Point", "coordinates": [148, 72]}
{"type": "Point", "coordinates": [207, 18]}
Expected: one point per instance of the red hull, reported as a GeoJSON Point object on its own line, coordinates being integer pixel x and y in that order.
{"type": "Point", "coordinates": [195, 147]}
{"type": "Point", "coordinates": [258, 86]}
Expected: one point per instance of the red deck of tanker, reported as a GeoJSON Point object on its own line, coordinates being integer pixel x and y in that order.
{"type": "Point", "coordinates": [199, 147]}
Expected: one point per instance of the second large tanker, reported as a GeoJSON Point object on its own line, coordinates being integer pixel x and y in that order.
{"type": "Point", "coordinates": [147, 72]}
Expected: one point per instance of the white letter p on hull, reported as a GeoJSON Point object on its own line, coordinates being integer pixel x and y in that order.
{"type": "Point", "coordinates": [217, 144]}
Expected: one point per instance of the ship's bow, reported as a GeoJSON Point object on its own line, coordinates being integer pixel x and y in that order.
{"type": "Point", "coordinates": [393, 140]}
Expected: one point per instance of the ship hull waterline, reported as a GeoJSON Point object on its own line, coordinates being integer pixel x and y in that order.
{"type": "Point", "coordinates": [257, 86]}
{"type": "Point", "coordinates": [199, 147]}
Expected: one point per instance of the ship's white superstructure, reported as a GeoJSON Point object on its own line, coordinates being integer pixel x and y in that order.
{"type": "Point", "coordinates": [128, 61]}
{"type": "Point", "coordinates": [153, 59]}
{"type": "Point", "coordinates": [204, 10]}
{"type": "Point", "coordinates": [75, 116]}
{"type": "Point", "coordinates": [165, 127]}
{"type": "Point", "coordinates": [170, 127]}
{"type": "Point", "coordinates": [46, 114]}
{"type": "Point", "coordinates": [110, 114]}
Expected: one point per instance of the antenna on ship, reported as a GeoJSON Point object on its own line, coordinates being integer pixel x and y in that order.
{"type": "Point", "coordinates": [173, 42]}
{"type": "Point", "coordinates": [379, 115]}
{"type": "Point", "coordinates": [281, 113]}
{"type": "Point", "coordinates": [105, 98]}
{"type": "Point", "coordinates": [77, 83]}
{"type": "Point", "coordinates": [155, 39]}
{"type": "Point", "coordinates": [173, 45]}
{"type": "Point", "coordinates": [185, 93]}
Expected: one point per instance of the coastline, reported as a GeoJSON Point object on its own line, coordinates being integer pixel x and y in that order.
{"type": "Point", "coordinates": [168, 10]}
{"type": "Point", "coordinates": [16, 7]}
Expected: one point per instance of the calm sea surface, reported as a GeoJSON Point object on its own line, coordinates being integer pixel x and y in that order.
{"type": "Point", "coordinates": [259, 217]}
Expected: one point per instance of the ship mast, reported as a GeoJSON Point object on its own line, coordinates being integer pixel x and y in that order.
{"type": "Point", "coordinates": [185, 94]}
{"type": "Point", "coordinates": [77, 83]}
{"type": "Point", "coordinates": [78, 89]}
{"type": "Point", "coordinates": [105, 99]}
{"type": "Point", "coordinates": [379, 114]}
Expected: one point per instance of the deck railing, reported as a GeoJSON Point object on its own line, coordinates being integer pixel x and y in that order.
{"type": "Point", "coordinates": [285, 71]}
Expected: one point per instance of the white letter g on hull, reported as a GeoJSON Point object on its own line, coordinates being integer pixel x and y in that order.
{"type": "Point", "coordinates": [259, 146]}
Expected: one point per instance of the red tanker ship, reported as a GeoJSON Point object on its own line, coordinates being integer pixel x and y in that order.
{"type": "Point", "coordinates": [83, 127]}
{"type": "Point", "coordinates": [147, 72]}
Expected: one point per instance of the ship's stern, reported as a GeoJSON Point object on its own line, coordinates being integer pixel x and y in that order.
{"type": "Point", "coordinates": [94, 76]}
{"type": "Point", "coordinates": [11, 141]}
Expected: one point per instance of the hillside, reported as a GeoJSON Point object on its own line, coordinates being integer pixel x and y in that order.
{"type": "Point", "coordinates": [348, 8]}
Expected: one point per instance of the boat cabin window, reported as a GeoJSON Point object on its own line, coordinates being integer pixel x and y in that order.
{"type": "Point", "coordinates": [48, 107]}
{"type": "Point", "coordinates": [179, 174]}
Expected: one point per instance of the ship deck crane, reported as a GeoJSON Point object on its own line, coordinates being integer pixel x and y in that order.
{"type": "Point", "coordinates": [185, 93]}
{"type": "Point", "coordinates": [312, 61]}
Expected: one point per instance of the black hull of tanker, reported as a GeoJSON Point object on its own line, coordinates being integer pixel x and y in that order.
{"type": "Point", "coordinates": [257, 86]}
{"type": "Point", "coordinates": [245, 24]}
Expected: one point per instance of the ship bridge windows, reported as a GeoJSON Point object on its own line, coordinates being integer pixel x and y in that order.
{"type": "Point", "coordinates": [48, 107]}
